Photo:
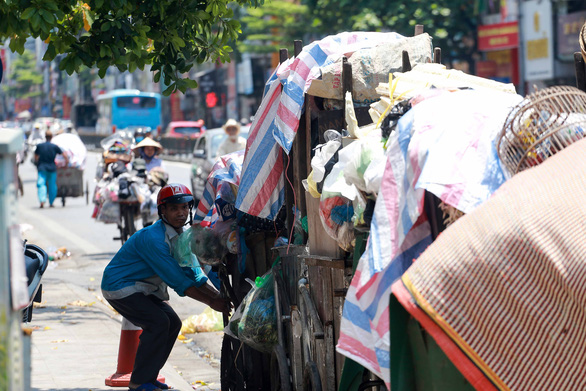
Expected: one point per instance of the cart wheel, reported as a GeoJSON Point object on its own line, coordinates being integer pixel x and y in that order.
{"type": "Point", "coordinates": [371, 384]}
{"type": "Point", "coordinates": [129, 216]}
{"type": "Point", "coordinates": [63, 201]}
{"type": "Point", "coordinates": [231, 365]}
{"type": "Point", "coordinates": [122, 230]}
{"type": "Point", "coordinates": [311, 379]}
{"type": "Point", "coordinates": [122, 225]}
{"type": "Point", "coordinates": [280, 375]}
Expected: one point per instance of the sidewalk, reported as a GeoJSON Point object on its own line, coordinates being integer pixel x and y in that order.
{"type": "Point", "coordinates": [75, 345]}
{"type": "Point", "coordinates": [76, 336]}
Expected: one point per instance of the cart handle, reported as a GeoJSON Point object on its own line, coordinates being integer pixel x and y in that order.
{"type": "Point", "coordinates": [319, 333]}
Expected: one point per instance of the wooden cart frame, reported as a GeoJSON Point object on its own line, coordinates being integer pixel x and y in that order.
{"type": "Point", "coordinates": [311, 291]}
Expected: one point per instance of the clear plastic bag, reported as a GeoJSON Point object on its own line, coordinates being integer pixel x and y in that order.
{"type": "Point", "coordinates": [211, 245]}
{"type": "Point", "coordinates": [182, 250]}
{"type": "Point", "coordinates": [255, 320]}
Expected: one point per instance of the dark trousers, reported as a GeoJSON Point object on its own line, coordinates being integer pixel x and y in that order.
{"type": "Point", "coordinates": [160, 328]}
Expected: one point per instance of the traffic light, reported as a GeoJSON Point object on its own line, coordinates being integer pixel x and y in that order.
{"type": "Point", "coordinates": [211, 99]}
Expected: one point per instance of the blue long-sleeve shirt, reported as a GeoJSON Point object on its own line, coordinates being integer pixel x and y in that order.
{"type": "Point", "coordinates": [145, 264]}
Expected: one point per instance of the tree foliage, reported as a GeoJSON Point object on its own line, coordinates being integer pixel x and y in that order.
{"type": "Point", "coordinates": [170, 35]}
{"type": "Point", "coordinates": [451, 23]}
{"type": "Point", "coordinates": [26, 81]}
{"type": "Point", "coordinates": [274, 26]}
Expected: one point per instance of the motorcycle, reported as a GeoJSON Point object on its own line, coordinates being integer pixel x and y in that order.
{"type": "Point", "coordinates": [36, 262]}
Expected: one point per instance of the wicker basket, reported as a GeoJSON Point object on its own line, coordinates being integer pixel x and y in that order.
{"type": "Point", "coordinates": [543, 124]}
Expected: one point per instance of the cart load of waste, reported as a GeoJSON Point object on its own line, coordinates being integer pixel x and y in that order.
{"type": "Point", "coordinates": [126, 187]}
{"type": "Point", "coordinates": [73, 148]}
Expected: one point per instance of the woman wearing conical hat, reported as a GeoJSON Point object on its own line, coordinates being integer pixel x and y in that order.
{"type": "Point", "coordinates": [148, 150]}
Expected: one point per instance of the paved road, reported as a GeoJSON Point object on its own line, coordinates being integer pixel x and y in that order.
{"type": "Point", "coordinates": [91, 246]}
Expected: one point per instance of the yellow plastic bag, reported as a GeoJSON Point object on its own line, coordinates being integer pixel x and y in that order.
{"type": "Point", "coordinates": [207, 321]}
{"type": "Point", "coordinates": [311, 186]}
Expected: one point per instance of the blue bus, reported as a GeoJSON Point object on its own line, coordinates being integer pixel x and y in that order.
{"type": "Point", "coordinates": [119, 109]}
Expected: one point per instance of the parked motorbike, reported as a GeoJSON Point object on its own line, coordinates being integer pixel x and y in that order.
{"type": "Point", "coordinates": [36, 262]}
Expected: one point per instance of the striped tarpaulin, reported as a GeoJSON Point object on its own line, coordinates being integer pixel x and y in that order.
{"type": "Point", "coordinates": [276, 121]}
{"type": "Point", "coordinates": [507, 283]}
{"type": "Point", "coordinates": [444, 145]}
{"type": "Point", "coordinates": [226, 171]}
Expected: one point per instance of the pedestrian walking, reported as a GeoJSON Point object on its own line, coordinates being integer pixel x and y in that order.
{"type": "Point", "coordinates": [136, 279]}
{"type": "Point", "coordinates": [45, 154]}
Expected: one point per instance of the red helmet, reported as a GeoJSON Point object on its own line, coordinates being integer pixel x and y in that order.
{"type": "Point", "coordinates": [175, 193]}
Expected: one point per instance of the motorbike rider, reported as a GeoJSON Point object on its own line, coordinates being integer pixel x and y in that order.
{"type": "Point", "coordinates": [136, 279]}
{"type": "Point", "coordinates": [142, 133]}
{"type": "Point", "coordinates": [148, 149]}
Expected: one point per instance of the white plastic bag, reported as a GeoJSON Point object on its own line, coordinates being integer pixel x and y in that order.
{"type": "Point", "coordinates": [109, 212]}
{"type": "Point", "coordinates": [357, 158]}
{"type": "Point", "coordinates": [323, 154]}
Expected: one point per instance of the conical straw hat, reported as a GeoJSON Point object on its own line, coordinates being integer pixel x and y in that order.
{"type": "Point", "coordinates": [148, 142]}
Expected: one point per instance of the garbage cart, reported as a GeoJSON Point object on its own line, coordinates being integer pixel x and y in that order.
{"type": "Point", "coordinates": [70, 184]}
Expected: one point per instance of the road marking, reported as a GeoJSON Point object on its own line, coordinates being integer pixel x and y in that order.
{"type": "Point", "coordinates": [53, 225]}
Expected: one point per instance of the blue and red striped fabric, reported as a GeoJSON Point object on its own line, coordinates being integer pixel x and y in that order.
{"type": "Point", "coordinates": [226, 171]}
{"type": "Point", "coordinates": [275, 124]}
{"type": "Point", "coordinates": [454, 159]}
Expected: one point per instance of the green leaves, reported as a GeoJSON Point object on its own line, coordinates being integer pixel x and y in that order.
{"type": "Point", "coordinates": [27, 81]}
{"type": "Point", "coordinates": [28, 13]}
{"type": "Point", "coordinates": [128, 34]}
{"type": "Point", "coordinates": [17, 44]}
{"type": "Point", "coordinates": [50, 53]}
{"type": "Point", "coordinates": [447, 21]}
{"type": "Point", "coordinates": [276, 25]}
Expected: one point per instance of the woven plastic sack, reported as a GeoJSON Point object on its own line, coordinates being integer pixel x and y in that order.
{"type": "Point", "coordinates": [255, 320]}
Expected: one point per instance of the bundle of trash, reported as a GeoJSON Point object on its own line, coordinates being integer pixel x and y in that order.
{"type": "Point", "coordinates": [206, 245]}
{"type": "Point", "coordinates": [209, 320]}
{"type": "Point", "coordinates": [73, 148]}
{"type": "Point", "coordinates": [119, 184]}
{"type": "Point", "coordinates": [255, 320]}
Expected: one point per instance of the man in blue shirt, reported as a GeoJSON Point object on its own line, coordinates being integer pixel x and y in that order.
{"type": "Point", "coordinates": [45, 161]}
{"type": "Point", "coordinates": [136, 279]}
